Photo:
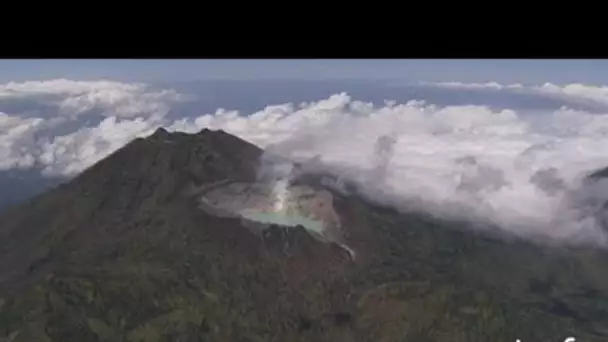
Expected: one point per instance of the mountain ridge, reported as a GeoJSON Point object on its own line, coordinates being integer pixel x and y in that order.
{"type": "Point", "coordinates": [124, 253]}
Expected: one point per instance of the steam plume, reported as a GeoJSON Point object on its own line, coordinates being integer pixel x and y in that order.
{"type": "Point", "coordinates": [280, 192]}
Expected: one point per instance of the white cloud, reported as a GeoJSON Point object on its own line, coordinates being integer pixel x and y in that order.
{"type": "Point", "coordinates": [119, 112]}
{"type": "Point", "coordinates": [515, 169]}
{"type": "Point", "coordinates": [72, 153]}
{"type": "Point", "coordinates": [489, 85]}
{"type": "Point", "coordinates": [575, 92]}
{"type": "Point", "coordinates": [597, 94]}
{"type": "Point", "coordinates": [511, 160]}
{"type": "Point", "coordinates": [15, 141]}
{"type": "Point", "coordinates": [111, 98]}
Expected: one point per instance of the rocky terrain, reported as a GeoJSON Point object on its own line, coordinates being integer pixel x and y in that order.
{"type": "Point", "coordinates": [124, 252]}
{"type": "Point", "coordinates": [313, 207]}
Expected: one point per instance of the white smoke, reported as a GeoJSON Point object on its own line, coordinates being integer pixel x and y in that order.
{"type": "Point", "coordinates": [280, 192]}
{"type": "Point", "coordinates": [384, 150]}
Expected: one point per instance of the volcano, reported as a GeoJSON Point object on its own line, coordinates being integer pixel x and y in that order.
{"type": "Point", "coordinates": [177, 237]}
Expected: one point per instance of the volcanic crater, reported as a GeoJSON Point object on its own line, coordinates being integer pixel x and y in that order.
{"type": "Point", "coordinates": [262, 204]}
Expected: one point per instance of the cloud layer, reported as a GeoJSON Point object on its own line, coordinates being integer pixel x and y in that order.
{"type": "Point", "coordinates": [515, 168]}
{"type": "Point", "coordinates": [575, 92]}
{"type": "Point", "coordinates": [63, 126]}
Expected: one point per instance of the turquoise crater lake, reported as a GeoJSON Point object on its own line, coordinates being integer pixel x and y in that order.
{"type": "Point", "coordinates": [284, 219]}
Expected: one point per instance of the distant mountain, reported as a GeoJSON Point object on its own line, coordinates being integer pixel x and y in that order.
{"type": "Point", "coordinates": [151, 244]}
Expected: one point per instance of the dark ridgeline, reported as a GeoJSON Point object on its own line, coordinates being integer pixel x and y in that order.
{"type": "Point", "coordinates": [122, 253]}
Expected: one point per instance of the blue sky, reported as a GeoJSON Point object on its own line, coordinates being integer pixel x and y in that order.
{"type": "Point", "coordinates": [502, 71]}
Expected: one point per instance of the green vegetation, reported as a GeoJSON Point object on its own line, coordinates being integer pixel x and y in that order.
{"type": "Point", "coordinates": [122, 253]}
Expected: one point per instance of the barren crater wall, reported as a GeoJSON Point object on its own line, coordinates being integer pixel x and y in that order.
{"type": "Point", "coordinates": [304, 205]}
